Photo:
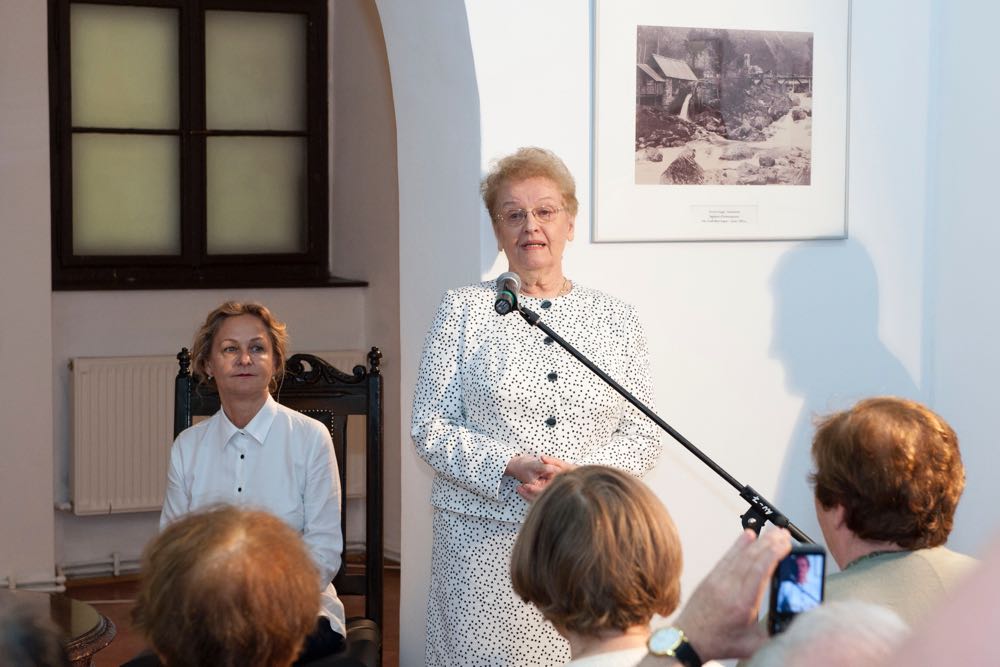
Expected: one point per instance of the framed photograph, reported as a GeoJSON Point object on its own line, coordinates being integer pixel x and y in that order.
{"type": "Point", "coordinates": [723, 121]}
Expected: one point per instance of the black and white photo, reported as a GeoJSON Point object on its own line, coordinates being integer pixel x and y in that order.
{"type": "Point", "coordinates": [723, 107]}
{"type": "Point", "coordinates": [720, 123]}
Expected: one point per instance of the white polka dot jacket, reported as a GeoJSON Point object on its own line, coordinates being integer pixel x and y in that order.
{"type": "Point", "coordinates": [491, 387]}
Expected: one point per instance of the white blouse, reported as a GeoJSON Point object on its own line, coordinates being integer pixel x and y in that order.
{"type": "Point", "coordinates": [282, 462]}
{"type": "Point", "coordinates": [492, 387]}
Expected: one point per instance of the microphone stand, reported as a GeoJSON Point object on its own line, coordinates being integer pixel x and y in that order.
{"type": "Point", "coordinates": [760, 510]}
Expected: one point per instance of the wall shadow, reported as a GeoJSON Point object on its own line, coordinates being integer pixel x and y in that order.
{"type": "Point", "coordinates": [825, 333]}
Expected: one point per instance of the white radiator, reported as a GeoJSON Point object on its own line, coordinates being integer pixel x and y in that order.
{"type": "Point", "coordinates": [123, 416]}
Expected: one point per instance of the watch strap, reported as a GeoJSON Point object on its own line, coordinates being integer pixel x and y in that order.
{"type": "Point", "coordinates": [686, 654]}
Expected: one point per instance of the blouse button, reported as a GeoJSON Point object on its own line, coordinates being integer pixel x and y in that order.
{"type": "Point", "coordinates": [239, 489]}
{"type": "Point", "coordinates": [242, 456]}
{"type": "Point", "coordinates": [546, 304]}
{"type": "Point", "coordinates": [552, 376]}
{"type": "Point", "coordinates": [548, 340]}
{"type": "Point", "coordinates": [551, 421]}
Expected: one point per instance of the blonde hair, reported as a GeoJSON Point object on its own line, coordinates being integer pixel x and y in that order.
{"type": "Point", "coordinates": [201, 348]}
{"type": "Point", "coordinates": [598, 551]}
{"type": "Point", "coordinates": [525, 163]}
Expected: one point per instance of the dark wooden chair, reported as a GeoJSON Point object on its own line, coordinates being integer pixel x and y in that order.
{"type": "Point", "coordinates": [315, 388]}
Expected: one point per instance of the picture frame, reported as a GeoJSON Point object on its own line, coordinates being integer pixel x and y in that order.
{"type": "Point", "coordinates": [731, 124]}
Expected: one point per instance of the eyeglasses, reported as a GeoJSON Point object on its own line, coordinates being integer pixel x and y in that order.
{"type": "Point", "coordinates": [518, 216]}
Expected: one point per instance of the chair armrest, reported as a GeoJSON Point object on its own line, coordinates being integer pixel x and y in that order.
{"type": "Point", "coordinates": [362, 649]}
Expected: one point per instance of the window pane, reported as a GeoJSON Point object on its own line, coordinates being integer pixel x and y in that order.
{"type": "Point", "coordinates": [256, 195]}
{"type": "Point", "coordinates": [126, 195]}
{"type": "Point", "coordinates": [255, 71]}
{"type": "Point", "coordinates": [123, 62]}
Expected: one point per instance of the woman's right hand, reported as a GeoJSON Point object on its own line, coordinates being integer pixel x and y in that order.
{"type": "Point", "coordinates": [533, 474]}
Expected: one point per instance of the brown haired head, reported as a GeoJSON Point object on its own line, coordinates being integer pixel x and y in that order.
{"type": "Point", "coordinates": [598, 552]}
{"type": "Point", "coordinates": [227, 587]}
{"type": "Point", "coordinates": [529, 162]}
{"type": "Point", "coordinates": [201, 348]}
{"type": "Point", "coordinates": [895, 468]}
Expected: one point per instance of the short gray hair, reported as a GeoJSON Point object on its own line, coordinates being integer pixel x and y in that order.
{"type": "Point", "coordinates": [844, 633]}
{"type": "Point", "coordinates": [27, 638]}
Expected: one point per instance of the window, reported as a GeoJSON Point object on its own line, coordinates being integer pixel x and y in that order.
{"type": "Point", "coordinates": [189, 143]}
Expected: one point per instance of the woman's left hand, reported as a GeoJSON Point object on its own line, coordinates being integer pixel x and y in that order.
{"type": "Point", "coordinates": [533, 489]}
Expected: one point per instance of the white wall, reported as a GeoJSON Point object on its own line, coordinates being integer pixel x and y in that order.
{"type": "Point", "coordinates": [437, 131]}
{"type": "Point", "coordinates": [749, 340]}
{"type": "Point", "coordinates": [961, 190]}
{"type": "Point", "coordinates": [365, 206]}
{"type": "Point", "coordinates": [25, 339]}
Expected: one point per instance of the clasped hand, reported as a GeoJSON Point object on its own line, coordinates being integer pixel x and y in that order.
{"type": "Point", "coordinates": [534, 473]}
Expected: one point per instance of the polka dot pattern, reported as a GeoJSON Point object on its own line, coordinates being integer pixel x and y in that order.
{"type": "Point", "coordinates": [474, 619]}
{"type": "Point", "coordinates": [491, 387]}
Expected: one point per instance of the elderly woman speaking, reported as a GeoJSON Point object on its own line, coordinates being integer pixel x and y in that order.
{"type": "Point", "coordinates": [499, 410]}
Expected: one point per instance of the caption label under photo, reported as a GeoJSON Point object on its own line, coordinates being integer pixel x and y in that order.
{"type": "Point", "coordinates": [724, 215]}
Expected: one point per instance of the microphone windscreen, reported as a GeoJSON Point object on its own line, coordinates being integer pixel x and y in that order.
{"type": "Point", "coordinates": [509, 275]}
{"type": "Point", "coordinates": [508, 287]}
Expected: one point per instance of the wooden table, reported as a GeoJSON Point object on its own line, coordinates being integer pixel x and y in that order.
{"type": "Point", "coordinates": [87, 630]}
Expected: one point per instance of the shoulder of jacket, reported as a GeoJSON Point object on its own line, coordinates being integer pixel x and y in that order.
{"type": "Point", "coordinates": [605, 300]}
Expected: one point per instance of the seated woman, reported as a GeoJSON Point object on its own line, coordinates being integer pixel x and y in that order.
{"type": "Point", "coordinates": [257, 453]}
{"type": "Point", "coordinates": [599, 555]}
{"type": "Point", "coordinates": [226, 587]}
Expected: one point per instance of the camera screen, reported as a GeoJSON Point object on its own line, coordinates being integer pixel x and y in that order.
{"type": "Point", "coordinates": [797, 586]}
{"type": "Point", "coordinates": [800, 586]}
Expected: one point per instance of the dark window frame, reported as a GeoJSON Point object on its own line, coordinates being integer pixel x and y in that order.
{"type": "Point", "coordinates": [193, 267]}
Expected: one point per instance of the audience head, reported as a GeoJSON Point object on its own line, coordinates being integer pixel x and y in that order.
{"type": "Point", "coordinates": [227, 587]}
{"type": "Point", "coordinates": [845, 633]}
{"type": "Point", "coordinates": [28, 638]}
{"type": "Point", "coordinates": [598, 552]}
{"type": "Point", "coordinates": [895, 469]}
{"type": "Point", "coordinates": [204, 339]}
{"type": "Point", "coordinates": [525, 163]}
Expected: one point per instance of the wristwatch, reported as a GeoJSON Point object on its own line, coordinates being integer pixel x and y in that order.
{"type": "Point", "coordinates": [671, 642]}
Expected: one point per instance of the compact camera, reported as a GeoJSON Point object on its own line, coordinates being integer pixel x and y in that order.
{"type": "Point", "coordinates": [796, 586]}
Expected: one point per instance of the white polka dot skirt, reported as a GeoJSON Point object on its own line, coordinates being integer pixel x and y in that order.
{"type": "Point", "coordinates": [474, 619]}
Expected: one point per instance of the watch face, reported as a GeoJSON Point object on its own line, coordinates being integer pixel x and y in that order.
{"type": "Point", "coordinates": [664, 641]}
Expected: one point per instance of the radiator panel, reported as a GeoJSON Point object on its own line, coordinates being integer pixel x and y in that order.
{"type": "Point", "coordinates": [122, 429]}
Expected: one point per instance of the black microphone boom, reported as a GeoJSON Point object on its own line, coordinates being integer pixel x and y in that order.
{"type": "Point", "coordinates": [760, 510]}
{"type": "Point", "coordinates": [508, 287]}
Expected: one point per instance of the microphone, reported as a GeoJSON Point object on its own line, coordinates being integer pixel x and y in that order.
{"type": "Point", "coordinates": [508, 287]}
